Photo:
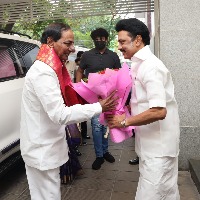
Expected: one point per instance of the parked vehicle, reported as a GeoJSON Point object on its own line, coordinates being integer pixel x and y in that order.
{"type": "Point", "coordinates": [17, 53]}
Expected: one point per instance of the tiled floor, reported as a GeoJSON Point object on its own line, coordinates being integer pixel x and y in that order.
{"type": "Point", "coordinates": [116, 181]}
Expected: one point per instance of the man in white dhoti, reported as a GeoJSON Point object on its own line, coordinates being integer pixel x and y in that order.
{"type": "Point", "coordinates": [154, 112]}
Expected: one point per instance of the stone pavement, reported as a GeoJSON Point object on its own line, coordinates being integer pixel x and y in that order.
{"type": "Point", "coordinates": [114, 181]}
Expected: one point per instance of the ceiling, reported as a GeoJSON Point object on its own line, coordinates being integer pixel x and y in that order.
{"type": "Point", "coordinates": [38, 10]}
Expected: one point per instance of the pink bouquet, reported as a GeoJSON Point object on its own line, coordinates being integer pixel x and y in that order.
{"type": "Point", "coordinates": [102, 84]}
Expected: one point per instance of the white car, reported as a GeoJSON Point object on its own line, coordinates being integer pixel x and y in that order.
{"type": "Point", "coordinates": [17, 53]}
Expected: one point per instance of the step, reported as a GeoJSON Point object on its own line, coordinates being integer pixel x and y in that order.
{"type": "Point", "coordinates": [194, 167]}
{"type": "Point", "coordinates": [10, 163]}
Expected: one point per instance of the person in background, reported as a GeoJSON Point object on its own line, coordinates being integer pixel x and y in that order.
{"type": "Point", "coordinates": [71, 68]}
{"type": "Point", "coordinates": [134, 161]}
{"type": "Point", "coordinates": [83, 124]}
{"type": "Point", "coordinates": [77, 61]}
{"type": "Point", "coordinates": [79, 54]}
{"type": "Point", "coordinates": [48, 105]}
{"type": "Point", "coordinates": [78, 58]}
{"type": "Point", "coordinates": [67, 167]}
{"type": "Point", "coordinates": [93, 61]}
{"type": "Point", "coordinates": [154, 113]}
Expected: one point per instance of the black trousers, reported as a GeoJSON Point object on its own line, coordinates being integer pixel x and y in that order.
{"type": "Point", "coordinates": [84, 129]}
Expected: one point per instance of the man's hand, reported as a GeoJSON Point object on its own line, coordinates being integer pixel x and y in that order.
{"type": "Point", "coordinates": [149, 116]}
{"type": "Point", "coordinates": [114, 121]}
{"type": "Point", "coordinates": [109, 103]}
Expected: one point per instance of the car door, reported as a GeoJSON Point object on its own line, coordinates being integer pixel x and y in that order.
{"type": "Point", "coordinates": [16, 57]}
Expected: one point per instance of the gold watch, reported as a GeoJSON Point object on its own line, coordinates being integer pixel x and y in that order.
{"type": "Point", "coordinates": [123, 123]}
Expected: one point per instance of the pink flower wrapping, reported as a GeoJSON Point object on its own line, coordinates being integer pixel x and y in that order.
{"type": "Point", "coordinates": [103, 85]}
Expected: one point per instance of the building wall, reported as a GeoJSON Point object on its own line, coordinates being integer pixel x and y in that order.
{"type": "Point", "coordinates": [177, 44]}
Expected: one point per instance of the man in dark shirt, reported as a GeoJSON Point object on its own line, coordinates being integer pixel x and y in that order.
{"type": "Point", "coordinates": [95, 60]}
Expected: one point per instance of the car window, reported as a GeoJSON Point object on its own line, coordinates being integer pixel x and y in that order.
{"type": "Point", "coordinates": [7, 66]}
{"type": "Point", "coordinates": [27, 52]}
{"type": "Point", "coordinates": [16, 57]}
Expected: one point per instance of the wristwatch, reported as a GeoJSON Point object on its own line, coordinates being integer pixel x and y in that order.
{"type": "Point", "coordinates": [123, 123]}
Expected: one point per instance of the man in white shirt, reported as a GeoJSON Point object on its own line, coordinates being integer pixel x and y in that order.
{"type": "Point", "coordinates": [154, 113]}
{"type": "Point", "coordinates": [46, 109]}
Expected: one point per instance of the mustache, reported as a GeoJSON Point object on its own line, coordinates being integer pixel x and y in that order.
{"type": "Point", "coordinates": [122, 50]}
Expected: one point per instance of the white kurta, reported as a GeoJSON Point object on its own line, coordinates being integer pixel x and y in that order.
{"type": "Point", "coordinates": [44, 116]}
{"type": "Point", "coordinates": [153, 87]}
{"type": "Point", "coordinates": [157, 144]}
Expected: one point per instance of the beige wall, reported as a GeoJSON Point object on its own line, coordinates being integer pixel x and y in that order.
{"type": "Point", "coordinates": [177, 44]}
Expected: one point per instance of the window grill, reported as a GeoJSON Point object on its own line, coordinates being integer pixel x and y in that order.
{"type": "Point", "coordinates": [39, 10]}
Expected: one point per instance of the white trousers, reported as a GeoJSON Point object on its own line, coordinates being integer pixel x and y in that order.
{"type": "Point", "coordinates": [158, 179]}
{"type": "Point", "coordinates": [43, 185]}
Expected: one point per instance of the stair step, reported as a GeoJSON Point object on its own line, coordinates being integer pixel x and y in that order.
{"type": "Point", "coordinates": [9, 163]}
{"type": "Point", "coordinates": [194, 167]}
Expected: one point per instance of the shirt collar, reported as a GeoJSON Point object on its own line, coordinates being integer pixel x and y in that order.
{"type": "Point", "coordinates": [97, 51]}
{"type": "Point", "coordinates": [142, 54]}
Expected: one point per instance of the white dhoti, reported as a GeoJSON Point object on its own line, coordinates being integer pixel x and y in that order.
{"type": "Point", "coordinates": [158, 179]}
{"type": "Point", "coordinates": [43, 185]}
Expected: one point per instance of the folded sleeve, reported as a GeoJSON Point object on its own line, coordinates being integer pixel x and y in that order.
{"type": "Point", "coordinates": [79, 113]}
{"type": "Point", "coordinates": [154, 81]}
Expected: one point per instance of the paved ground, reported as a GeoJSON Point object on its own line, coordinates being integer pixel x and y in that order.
{"type": "Point", "coordinates": [116, 181]}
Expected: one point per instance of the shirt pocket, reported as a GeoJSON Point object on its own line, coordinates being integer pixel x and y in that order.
{"type": "Point", "coordinates": [140, 92]}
